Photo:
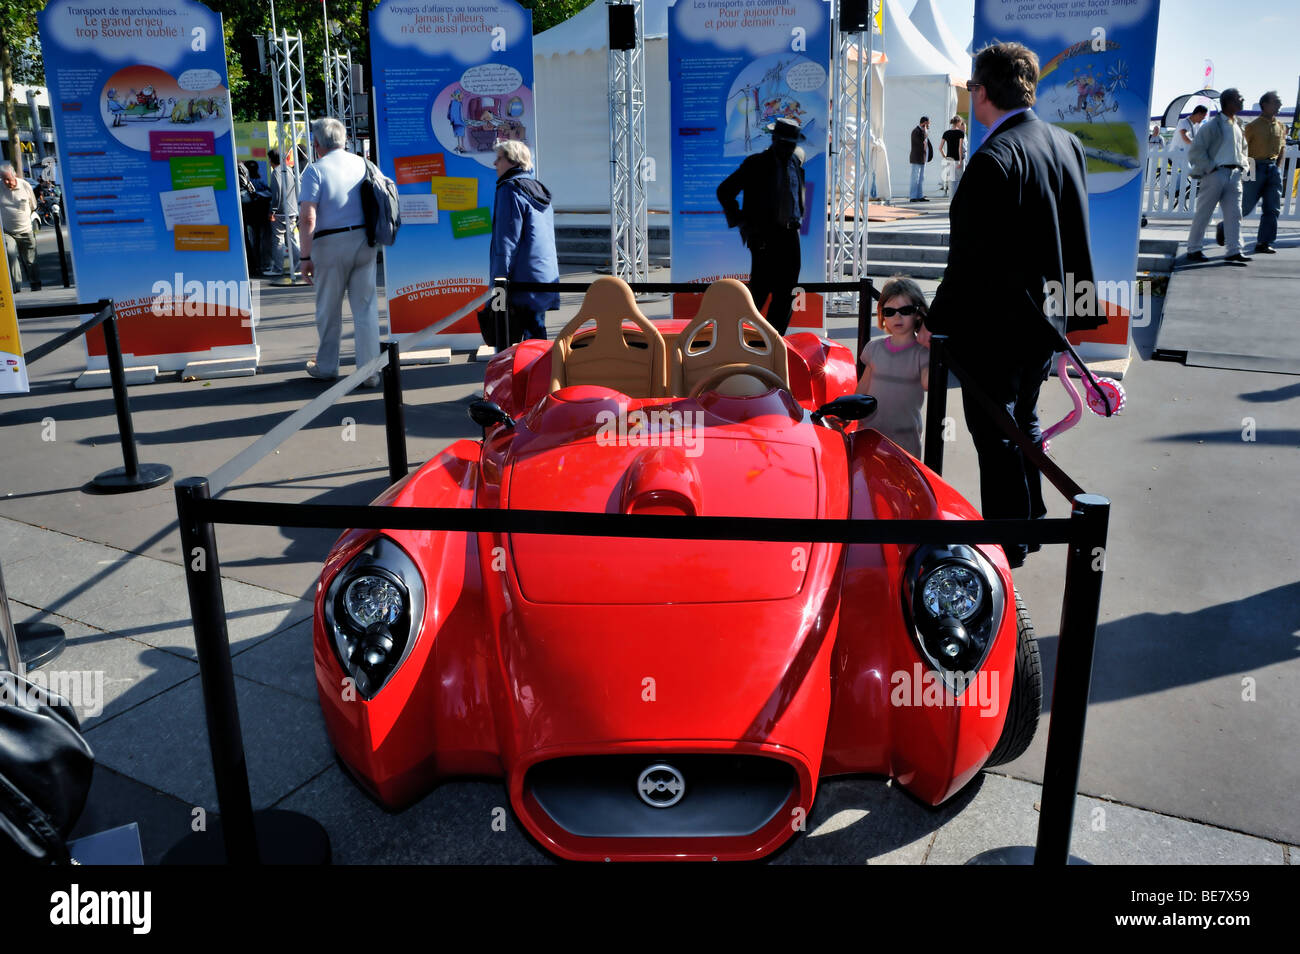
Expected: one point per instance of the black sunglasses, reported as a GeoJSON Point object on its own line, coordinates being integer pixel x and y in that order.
{"type": "Point", "coordinates": [970, 86]}
{"type": "Point", "coordinates": [905, 310]}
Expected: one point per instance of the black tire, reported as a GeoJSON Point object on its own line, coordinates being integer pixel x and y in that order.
{"type": "Point", "coordinates": [1026, 693]}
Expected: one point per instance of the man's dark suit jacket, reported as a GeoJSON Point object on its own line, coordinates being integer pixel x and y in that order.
{"type": "Point", "coordinates": [1019, 219]}
{"type": "Point", "coordinates": [757, 178]}
{"type": "Point", "coordinates": [922, 152]}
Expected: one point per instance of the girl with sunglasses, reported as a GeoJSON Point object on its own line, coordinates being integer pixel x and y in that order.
{"type": "Point", "coordinates": [897, 370]}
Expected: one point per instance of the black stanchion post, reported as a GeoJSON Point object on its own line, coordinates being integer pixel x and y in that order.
{"type": "Point", "coordinates": [240, 835]}
{"type": "Point", "coordinates": [936, 404]}
{"type": "Point", "coordinates": [63, 256]}
{"type": "Point", "coordinates": [866, 295]}
{"type": "Point", "coordinates": [1079, 613]}
{"type": "Point", "coordinates": [26, 646]}
{"type": "Point", "coordinates": [208, 608]}
{"type": "Point", "coordinates": [133, 475]}
{"type": "Point", "coordinates": [394, 414]}
{"type": "Point", "coordinates": [500, 311]}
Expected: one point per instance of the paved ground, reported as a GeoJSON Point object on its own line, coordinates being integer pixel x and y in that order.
{"type": "Point", "coordinates": [1190, 753]}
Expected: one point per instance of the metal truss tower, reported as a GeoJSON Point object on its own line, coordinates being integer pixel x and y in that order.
{"type": "Point", "coordinates": [629, 166]}
{"type": "Point", "coordinates": [289, 85]}
{"type": "Point", "coordinates": [850, 174]}
{"type": "Point", "coordinates": [338, 90]}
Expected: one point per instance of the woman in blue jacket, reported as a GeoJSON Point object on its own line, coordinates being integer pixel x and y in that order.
{"type": "Point", "coordinates": [523, 240]}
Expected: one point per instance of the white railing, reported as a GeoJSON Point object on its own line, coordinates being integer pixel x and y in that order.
{"type": "Point", "coordinates": [1168, 190]}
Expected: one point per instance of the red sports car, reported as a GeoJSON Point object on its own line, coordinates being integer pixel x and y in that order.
{"type": "Point", "coordinates": [671, 699]}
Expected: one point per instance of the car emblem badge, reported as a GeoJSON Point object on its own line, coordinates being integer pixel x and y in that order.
{"type": "Point", "coordinates": [661, 786]}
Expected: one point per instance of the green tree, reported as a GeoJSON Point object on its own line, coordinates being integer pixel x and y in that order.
{"type": "Point", "coordinates": [17, 28]}
{"type": "Point", "coordinates": [548, 13]}
{"type": "Point", "coordinates": [251, 91]}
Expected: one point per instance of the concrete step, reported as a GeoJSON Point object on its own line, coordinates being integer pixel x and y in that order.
{"type": "Point", "coordinates": [655, 232]}
{"type": "Point", "coordinates": [912, 269]}
{"type": "Point", "coordinates": [881, 236]}
{"type": "Point", "coordinates": [906, 253]}
{"type": "Point", "coordinates": [599, 244]}
{"type": "Point", "coordinates": [601, 258]}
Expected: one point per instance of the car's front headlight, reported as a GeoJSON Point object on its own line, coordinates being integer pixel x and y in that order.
{"type": "Point", "coordinates": [373, 609]}
{"type": "Point", "coordinates": [954, 598]}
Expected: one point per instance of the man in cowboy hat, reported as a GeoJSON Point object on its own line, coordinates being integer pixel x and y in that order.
{"type": "Point", "coordinates": [773, 183]}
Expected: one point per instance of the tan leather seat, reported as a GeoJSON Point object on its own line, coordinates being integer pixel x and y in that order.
{"type": "Point", "coordinates": [740, 336]}
{"type": "Point", "coordinates": [633, 360]}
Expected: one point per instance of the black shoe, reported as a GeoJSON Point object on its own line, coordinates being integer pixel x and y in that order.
{"type": "Point", "coordinates": [923, 199]}
{"type": "Point", "coordinates": [1196, 257]}
{"type": "Point", "coordinates": [1237, 259]}
{"type": "Point", "coordinates": [1265, 250]}
{"type": "Point", "coordinates": [1218, 233]}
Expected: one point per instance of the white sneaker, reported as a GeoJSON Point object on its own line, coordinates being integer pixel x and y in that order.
{"type": "Point", "coordinates": [372, 381]}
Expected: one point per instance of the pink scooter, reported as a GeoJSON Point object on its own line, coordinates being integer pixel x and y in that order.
{"type": "Point", "coordinates": [1104, 397]}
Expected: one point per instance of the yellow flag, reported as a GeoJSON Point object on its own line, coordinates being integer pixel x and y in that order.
{"type": "Point", "coordinates": [13, 370]}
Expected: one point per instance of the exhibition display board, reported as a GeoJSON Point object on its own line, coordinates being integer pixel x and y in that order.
{"type": "Point", "coordinates": [141, 109]}
{"type": "Point", "coordinates": [450, 80]}
{"type": "Point", "coordinates": [1096, 66]}
{"type": "Point", "coordinates": [736, 67]}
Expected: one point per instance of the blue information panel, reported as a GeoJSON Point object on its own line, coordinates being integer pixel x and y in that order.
{"type": "Point", "coordinates": [450, 80]}
{"type": "Point", "coordinates": [736, 67]}
{"type": "Point", "coordinates": [1096, 65]}
{"type": "Point", "coordinates": [141, 111]}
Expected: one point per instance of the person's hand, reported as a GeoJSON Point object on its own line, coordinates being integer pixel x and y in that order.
{"type": "Point", "coordinates": [271, 217]}
{"type": "Point", "coordinates": [923, 337]}
{"type": "Point", "coordinates": [308, 269]}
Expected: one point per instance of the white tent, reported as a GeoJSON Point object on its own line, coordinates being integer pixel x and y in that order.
{"type": "Point", "coordinates": [919, 81]}
{"type": "Point", "coordinates": [927, 19]}
{"type": "Point", "coordinates": [571, 89]}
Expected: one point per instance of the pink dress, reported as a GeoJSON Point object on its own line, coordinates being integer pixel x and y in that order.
{"type": "Point", "coordinates": [896, 386]}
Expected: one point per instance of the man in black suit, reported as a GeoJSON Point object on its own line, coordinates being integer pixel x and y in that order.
{"type": "Point", "coordinates": [1019, 221]}
{"type": "Point", "coordinates": [773, 183]}
{"type": "Point", "coordinates": [921, 153]}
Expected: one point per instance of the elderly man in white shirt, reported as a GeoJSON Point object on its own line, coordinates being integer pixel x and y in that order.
{"type": "Point", "coordinates": [336, 256]}
{"type": "Point", "coordinates": [17, 203]}
{"type": "Point", "coordinates": [1217, 158]}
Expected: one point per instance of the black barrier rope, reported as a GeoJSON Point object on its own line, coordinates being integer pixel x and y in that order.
{"type": "Point", "coordinates": [132, 475]}
{"type": "Point", "coordinates": [647, 526]}
{"type": "Point", "coordinates": [223, 476]}
{"type": "Point", "coordinates": [101, 310]}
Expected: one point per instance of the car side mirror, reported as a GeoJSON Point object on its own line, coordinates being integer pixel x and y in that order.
{"type": "Point", "coordinates": [487, 413]}
{"type": "Point", "coordinates": [851, 407]}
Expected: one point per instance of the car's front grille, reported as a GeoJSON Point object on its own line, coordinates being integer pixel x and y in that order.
{"type": "Point", "coordinates": [612, 796]}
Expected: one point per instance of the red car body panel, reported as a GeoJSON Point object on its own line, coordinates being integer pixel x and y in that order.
{"type": "Point", "coordinates": [534, 648]}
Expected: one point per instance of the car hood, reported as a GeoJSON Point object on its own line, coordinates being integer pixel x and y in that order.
{"type": "Point", "coordinates": [717, 475]}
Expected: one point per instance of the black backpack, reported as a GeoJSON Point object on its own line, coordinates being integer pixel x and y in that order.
{"type": "Point", "coordinates": [380, 207]}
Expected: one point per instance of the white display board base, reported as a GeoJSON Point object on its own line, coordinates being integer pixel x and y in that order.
{"type": "Point", "coordinates": [219, 368]}
{"type": "Point", "coordinates": [427, 356]}
{"type": "Point", "coordinates": [143, 374]}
